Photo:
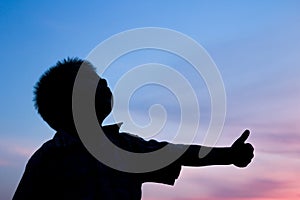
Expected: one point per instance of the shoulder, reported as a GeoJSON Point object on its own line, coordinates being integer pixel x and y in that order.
{"type": "Point", "coordinates": [131, 142]}
{"type": "Point", "coordinates": [48, 150]}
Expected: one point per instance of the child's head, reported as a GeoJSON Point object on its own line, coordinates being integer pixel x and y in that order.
{"type": "Point", "coordinates": [53, 93]}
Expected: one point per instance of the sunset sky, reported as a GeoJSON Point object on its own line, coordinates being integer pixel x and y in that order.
{"type": "Point", "coordinates": [255, 45]}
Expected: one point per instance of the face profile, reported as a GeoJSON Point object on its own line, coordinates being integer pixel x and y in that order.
{"type": "Point", "coordinates": [103, 100]}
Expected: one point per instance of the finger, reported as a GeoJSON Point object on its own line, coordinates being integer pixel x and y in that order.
{"type": "Point", "coordinates": [243, 137]}
{"type": "Point", "coordinates": [251, 150]}
{"type": "Point", "coordinates": [249, 146]}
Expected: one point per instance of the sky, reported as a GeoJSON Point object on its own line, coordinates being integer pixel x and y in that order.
{"type": "Point", "coordinates": [254, 44]}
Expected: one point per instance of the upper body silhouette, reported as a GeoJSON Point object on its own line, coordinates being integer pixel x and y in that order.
{"type": "Point", "coordinates": [62, 168]}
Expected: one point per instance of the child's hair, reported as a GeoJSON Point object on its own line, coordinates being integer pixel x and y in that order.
{"type": "Point", "coordinates": [53, 92]}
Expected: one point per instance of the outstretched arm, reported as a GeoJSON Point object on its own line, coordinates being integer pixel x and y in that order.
{"type": "Point", "coordinates": [239, 154]}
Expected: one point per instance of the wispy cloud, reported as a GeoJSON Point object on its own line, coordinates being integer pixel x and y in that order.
{"type": "Point", "coordinates": [254, 188]}
{"type": "Point", "coordinates": [12, 153]}
{"type": "Point", "coordinates": [4, 163]}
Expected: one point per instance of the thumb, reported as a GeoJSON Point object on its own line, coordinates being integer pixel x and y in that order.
{"type": "Point", "coordinates": [243, 137]}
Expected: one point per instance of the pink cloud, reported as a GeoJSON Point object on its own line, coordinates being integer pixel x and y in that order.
{"type": "Point", "coordinates": [4, 163]}
{"type": "Point", "coordinates": [14, 148]}
{"type": "Point", "coordinates": [256, 188]}
{"type": "Point", "coordinates": [13, 154]}
{"type": "Point", "coordinates": [270, 176]}
{"type": "Point", "coordinates": [21, 150]}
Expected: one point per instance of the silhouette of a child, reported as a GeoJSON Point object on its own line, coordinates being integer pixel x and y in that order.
{"type": "Point", "coordinates": [63, 169]}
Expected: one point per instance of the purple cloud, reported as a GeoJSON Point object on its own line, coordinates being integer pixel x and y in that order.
{"type": "Point", "coordinates": [260, 187]}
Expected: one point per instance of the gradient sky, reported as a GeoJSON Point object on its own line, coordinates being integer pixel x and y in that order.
{"type": "Point", "coordinates": [255, 44]}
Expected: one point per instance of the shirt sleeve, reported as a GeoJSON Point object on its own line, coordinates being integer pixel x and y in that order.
{"type": "Point", "coordinates": [165, 175]}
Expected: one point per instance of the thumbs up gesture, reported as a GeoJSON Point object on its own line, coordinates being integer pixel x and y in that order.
{"type": "Point", "coordinates": [241, 152]}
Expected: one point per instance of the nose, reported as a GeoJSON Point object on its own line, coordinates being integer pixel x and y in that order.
{"type": "Point", "coordinates": [103, 82]}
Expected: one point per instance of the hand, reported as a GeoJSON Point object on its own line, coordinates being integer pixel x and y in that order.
{"type": "Point", "coordinates": [241, 152]}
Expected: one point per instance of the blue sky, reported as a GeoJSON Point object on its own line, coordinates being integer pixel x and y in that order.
{"type": "Point", "coordinates": [255, 45]}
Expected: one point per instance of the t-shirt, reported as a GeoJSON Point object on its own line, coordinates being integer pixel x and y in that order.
{"type": "Point", "coordinates": [63, 169]}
